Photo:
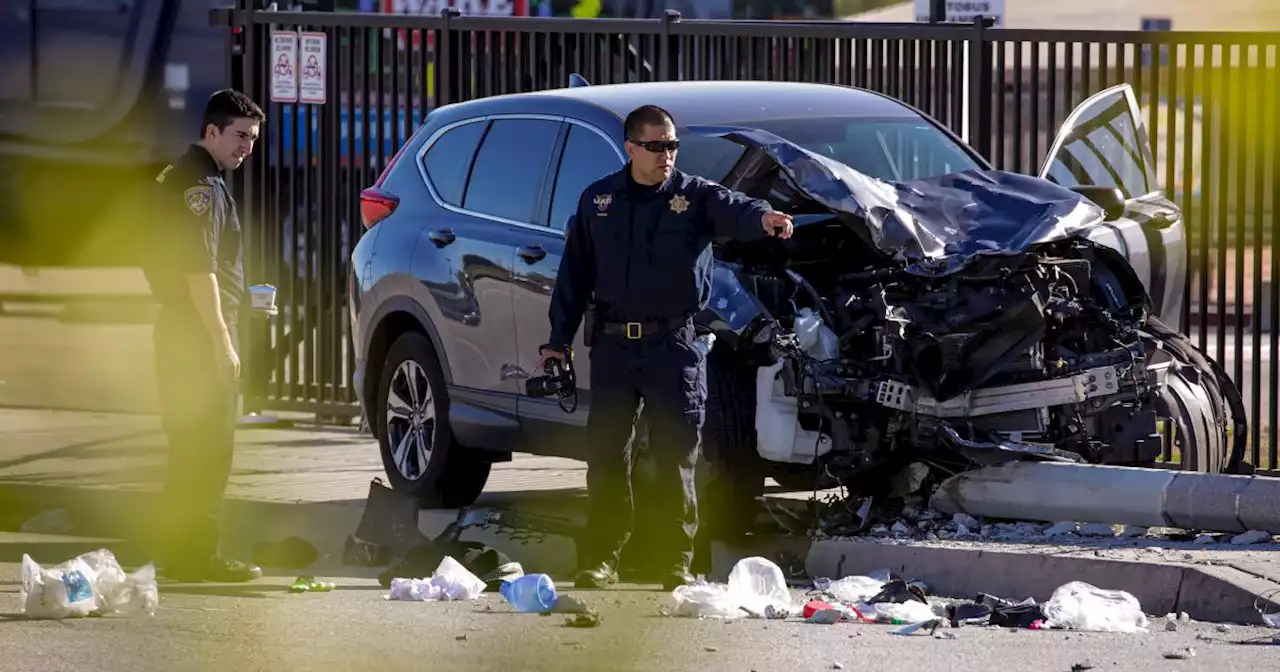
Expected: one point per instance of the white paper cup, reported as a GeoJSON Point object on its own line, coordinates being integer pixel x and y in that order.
{"type": "Point", "coordinates": [263, 297]}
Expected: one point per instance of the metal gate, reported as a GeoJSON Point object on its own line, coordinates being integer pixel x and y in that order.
{"type": "Point", "coordinates": [1209, 100]}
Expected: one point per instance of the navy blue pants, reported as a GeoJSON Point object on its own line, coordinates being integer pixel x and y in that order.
{"type": "Point", "coordinates": [664, 376]}
{"type": "Point", "coordinates": [198, 413]}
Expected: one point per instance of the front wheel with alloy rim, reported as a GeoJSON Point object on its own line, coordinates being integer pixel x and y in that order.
{"type": "Point", "coordinates": [419, 453]}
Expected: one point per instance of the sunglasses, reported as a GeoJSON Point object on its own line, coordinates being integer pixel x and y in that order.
{"type": "Point", "coordinates": [658, 146]}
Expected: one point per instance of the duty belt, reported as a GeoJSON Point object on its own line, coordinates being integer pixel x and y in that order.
{"type": "Point", "coordinates": [637, 330]}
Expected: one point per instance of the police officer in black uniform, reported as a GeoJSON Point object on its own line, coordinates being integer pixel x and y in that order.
{"type": "Point", "coordinates": [640, 246]}
{"type": "Point", "coordinates": [194, 265]}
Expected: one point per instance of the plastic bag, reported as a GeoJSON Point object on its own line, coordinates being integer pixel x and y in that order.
{"type": "Point", "coordinates": [1082, 606]}
{"type": "Point", "coordinates": [855, 588]}
{"type": "Point", "coordinates": [92, 584]}
{"type": "Point", "coordinates": [450, 581]}
{"type": "Point", "coordinates": [756, 588]}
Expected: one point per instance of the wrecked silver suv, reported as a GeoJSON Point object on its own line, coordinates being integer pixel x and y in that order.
{"type": "Point", "coordinates": [968, 319]}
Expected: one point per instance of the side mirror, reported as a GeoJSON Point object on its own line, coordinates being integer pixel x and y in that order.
{"type": "Point", "coordinates": [1110, 199]}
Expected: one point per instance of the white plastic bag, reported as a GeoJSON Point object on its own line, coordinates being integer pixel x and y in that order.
{"type": "Point", "coordinates": [756, 588]}
{"type": "Point", "coordinates": [90, 584]}
{"type": "Point", "coordinates": [450, 581]}
{"type": "Point", "coordinates": [1081, 606]}
{"type": "Point", "coordinates": [853, 589]}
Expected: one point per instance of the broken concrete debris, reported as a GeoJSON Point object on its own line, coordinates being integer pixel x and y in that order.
{"type": "Point", "coordinates": [910, 519]}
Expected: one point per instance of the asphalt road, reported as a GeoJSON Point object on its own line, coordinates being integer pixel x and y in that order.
{"type": "Point", "coordinates": [262, 627]}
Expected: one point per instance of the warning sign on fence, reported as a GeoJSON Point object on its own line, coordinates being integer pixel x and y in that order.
{"type": "Point", "coordinates": [313, 67]}
{"type": "Point", "coordinates": [965, 11]}
{"type": "Point", "coordinates": [284, 66]}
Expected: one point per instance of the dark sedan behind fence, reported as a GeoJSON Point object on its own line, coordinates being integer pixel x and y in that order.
{"type": "Point", "coordinates": [1210, 101]}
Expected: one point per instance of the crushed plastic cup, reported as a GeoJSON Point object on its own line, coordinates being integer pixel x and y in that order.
{"type": "Point", "coordinates": [530, 593]}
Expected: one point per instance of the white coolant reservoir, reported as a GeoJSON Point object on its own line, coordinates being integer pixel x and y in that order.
{"type": "Point", "coordinates": [816, 339]}
{"type": "Point", "coordinates": [779, 436]}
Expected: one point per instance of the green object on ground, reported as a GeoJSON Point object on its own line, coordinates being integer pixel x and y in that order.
{"type": "Point", "coordinates": [308, 584]}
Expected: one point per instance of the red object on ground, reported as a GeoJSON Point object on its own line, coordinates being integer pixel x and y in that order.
{"type": "Point", "coordinates": [814, 606]}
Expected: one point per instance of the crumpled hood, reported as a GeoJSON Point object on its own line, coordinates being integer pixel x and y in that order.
{"type": "Point", "coordinates": [934, 225]}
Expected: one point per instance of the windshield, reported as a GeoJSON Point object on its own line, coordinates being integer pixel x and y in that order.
{"type": "Point", "coordinates": [897, 150]}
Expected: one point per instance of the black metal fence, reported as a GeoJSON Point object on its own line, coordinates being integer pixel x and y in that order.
{"type": "Point", "coordinates": [1210, 102]}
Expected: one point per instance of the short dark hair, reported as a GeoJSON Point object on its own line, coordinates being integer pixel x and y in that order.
{"type": "Point", "coordinates": [646, 115]}
{"type": "Point", "coordinates": [227, 105]}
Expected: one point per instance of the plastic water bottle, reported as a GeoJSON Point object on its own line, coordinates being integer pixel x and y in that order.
{"type": "Point", "coordinates": [704, 343]}
{"type": "Point", "coordinates": [530, 593]}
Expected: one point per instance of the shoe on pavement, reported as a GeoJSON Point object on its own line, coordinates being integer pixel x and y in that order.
{"type": "Point", "coordinates": [216, 569]}
{"type": "Point", "coordinates": [598, 578]}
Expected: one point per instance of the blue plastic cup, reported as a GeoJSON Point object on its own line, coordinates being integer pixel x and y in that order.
{"type": "Point", "coordinates": [530, 593]}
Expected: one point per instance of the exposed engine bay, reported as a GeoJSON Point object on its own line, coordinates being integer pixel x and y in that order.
{"type": "Point", "coordinates": [868, 343]}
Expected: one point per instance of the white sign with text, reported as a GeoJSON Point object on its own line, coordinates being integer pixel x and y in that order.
{"type": "Point", "coordinates": [284, 66]}
{"type": "Point", "coordinates": [313, 65]}
{"type": "Point", "coordinates": [964, 11]}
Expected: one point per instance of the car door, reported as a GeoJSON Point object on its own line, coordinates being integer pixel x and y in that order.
{"type": "Point", "coordinates": [463, 259]}
{"type": "Point", "coordinates": [585, 155]}
{"type": "Point", "coordinates": [1103, 143]}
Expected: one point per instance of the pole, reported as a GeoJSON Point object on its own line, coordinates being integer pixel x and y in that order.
{"type": "Point", "coordinates": [937, 11]}
{"type": "Point", "coordinates": [1086, 493]}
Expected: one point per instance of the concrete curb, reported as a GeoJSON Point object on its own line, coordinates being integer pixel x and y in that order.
{"type": "Point", "coordinates": [1212, 593]}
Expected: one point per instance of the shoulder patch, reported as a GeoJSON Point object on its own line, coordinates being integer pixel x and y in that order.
{"type": "Point", "coordinates": [198, 199]}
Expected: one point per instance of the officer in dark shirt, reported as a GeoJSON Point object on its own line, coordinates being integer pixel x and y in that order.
{"type": "Point", "coordinates": [195, 267]}
{"type": "Point", "coordinates": [640, 246]}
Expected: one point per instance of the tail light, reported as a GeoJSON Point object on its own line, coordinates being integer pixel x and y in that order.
{"type": "Point", "coordinates": [376, 205]}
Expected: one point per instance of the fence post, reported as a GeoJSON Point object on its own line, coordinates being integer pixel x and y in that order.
{"type": "Point", "coordinates": [980, 122]}
{"type": "Point", "coordinates": [444, 59]}
{"type": "Point", "coordinates": [669, 63]}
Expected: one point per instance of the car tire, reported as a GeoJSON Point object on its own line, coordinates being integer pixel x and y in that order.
{"type": "Point", "coordinates": [452, 476]}
{"type": "Point", "coordinates": [731, 473]}
{"type": "Point", "coordinates": [1198, 397]}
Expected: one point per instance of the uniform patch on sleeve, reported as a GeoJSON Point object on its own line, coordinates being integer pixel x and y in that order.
{"type": "Point", "coordinates": [198, 199]}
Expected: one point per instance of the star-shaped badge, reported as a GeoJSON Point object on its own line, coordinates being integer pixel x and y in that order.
{"type": "Point", "coordinates": [679, 204]}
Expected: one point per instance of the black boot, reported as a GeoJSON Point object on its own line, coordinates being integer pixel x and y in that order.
{"type": "Point", "coordinates": [599, 577]}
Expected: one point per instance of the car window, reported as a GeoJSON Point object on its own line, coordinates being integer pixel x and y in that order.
{"type": "Point", "coordinates": [449, 159]}
{"type": "Point", "coordinates": [1104, 148]}
{"type": "Point", "coordinates": [509, 168]}
{"type": "Point", "coordinates": [587, 157]}
{"type": "Point", "coordinates": [899, 150]}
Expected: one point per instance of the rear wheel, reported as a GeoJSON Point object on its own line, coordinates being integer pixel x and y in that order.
{"type": "Point", "coordinates": [419, 452]}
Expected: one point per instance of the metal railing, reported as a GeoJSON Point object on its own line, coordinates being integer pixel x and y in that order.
{"type": "Point", "coordinates": [1209, 101]}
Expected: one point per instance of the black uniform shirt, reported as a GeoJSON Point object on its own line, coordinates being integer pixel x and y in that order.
{"type": "Point", "coordinates": [194, 228]}
{"type": "Point", "coordinates": [644, 253]}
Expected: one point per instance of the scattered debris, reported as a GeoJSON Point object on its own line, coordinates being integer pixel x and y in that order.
{"type": "Point", "coordinates": [584, 620]}
{"type": "Point", "coordinates": [309, 584]}
{"type": "Point", "coordinates": [1059, 529]}
{"type": "Point", "coordinates": [1251, 537]}
{"type": "Point", "coordinates": [1181, 654]}
{"type": "Point", "coordinates": [460, 638]}
{"type": "Point", "coordinates": [711, 649]}
{"type": "Point", "coordinates": [1096, 530]}
{"type": "Point", "coordinates": [1223, 628]}
{"type": "Point", "coordinates": [91, 584]}
{"type": "Point", "coordinates": [756, 588]}
{"type": "Point", "coordinates": [450, 581]}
